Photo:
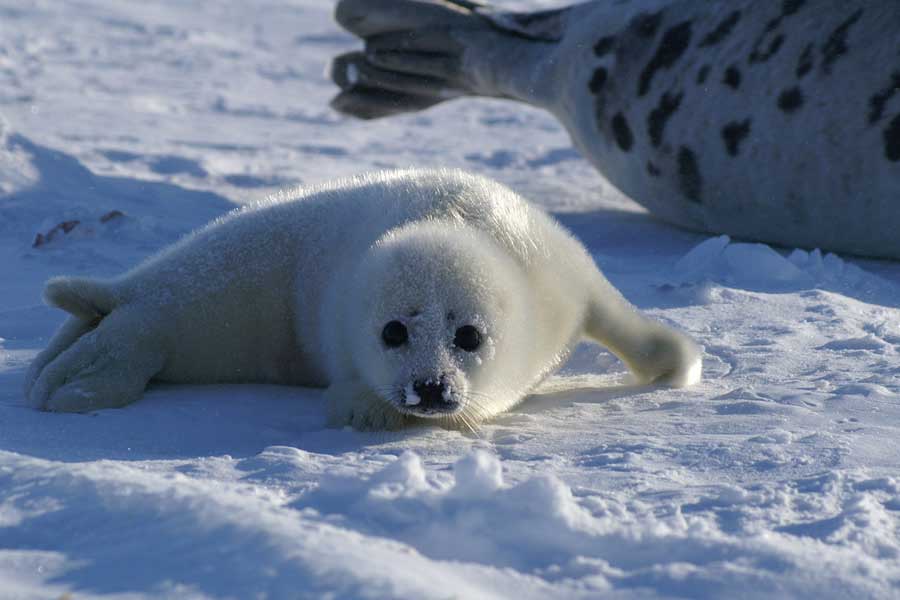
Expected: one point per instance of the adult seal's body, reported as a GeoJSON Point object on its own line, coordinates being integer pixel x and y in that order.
{"type": "Point", "coordinates": [409, 294]}
{"type": "Point", "coordinates": [776, 121]}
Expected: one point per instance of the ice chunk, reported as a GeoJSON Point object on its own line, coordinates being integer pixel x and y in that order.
{"type": "Point", "coordinates": [758, 264]}
{"type": "Point", "coordinates": [703, 256]}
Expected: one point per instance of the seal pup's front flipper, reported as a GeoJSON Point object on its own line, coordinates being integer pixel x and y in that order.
{"type": "Point", "coordinates": [652, 351]}
{"type": "Point", "coordinates": [422, 52]}
{"type": "Point", "coordinates": [354, 404]}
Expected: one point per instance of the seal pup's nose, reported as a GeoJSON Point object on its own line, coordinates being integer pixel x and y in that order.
{"type": "Point", "coordinates": [432, 396]}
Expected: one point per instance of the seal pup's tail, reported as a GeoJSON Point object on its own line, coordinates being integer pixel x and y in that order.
{"type": "Point", "coordinates": [419, 53]}
{"type": "Point", "coordinates": [88, 299]}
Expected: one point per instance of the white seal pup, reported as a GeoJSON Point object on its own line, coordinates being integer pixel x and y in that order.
{"type": "Point", "coordinates": [409, 294]}
{"type": "Point", "coordinates": [776, 121]}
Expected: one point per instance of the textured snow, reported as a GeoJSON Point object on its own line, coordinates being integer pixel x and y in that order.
{"type": "Point", "coordinates": [776, 476]}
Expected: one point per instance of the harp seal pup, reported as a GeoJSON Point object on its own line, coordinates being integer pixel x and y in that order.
{"type": "Point", "coordinates": [777, 121]}
{"type": "Point", "coordinates": [411, 294]}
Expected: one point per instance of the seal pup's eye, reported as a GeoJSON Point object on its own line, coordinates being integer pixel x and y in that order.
{"type": "Point", "coordinates": [394, 334]}
{"type": "Point", "coordinates": [468, 338]}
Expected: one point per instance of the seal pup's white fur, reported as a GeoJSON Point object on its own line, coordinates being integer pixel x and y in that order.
{"type": "Point", "coordinates": [299, 289]}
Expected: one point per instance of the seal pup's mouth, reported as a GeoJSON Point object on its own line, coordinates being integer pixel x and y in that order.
{"type": "Point", "coordinates": [428, 399]}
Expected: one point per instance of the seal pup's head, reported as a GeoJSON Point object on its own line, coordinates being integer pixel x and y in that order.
{"type": "Point", "coordinates": [444, 309]}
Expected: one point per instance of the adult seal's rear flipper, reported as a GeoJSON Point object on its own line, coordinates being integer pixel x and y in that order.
{"type": "Point", "coordinates": [419, 53]}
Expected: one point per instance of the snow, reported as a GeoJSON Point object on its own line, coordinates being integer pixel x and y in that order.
{"type": "Point", "coordinates": [778, 475]}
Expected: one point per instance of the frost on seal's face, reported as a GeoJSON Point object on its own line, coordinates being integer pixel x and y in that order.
{"type": "Point", "coordinates": [439, 307]}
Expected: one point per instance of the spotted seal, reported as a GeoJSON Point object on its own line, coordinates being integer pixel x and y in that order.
{"type": "Point", "coordinates": [418, 294]}
{"type": "Point", "coordinates": [775, 121]}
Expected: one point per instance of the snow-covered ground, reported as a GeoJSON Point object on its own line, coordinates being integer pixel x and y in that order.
{"type": "Point", "coordinates": [777, 476]}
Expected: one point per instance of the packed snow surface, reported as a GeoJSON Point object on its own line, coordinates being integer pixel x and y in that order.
{"type": "Point", "coordinates": [126, 125]}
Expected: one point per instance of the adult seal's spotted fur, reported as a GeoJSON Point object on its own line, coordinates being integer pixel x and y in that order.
{"type": "Point", "coordinates": [776, 121]}
{"type": "Point", "coordinates": [409, 294]}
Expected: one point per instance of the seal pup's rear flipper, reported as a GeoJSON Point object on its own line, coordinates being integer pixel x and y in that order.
{"type": "Point", "coordinates": [107, 366]}
{"type": "Point", "coordinates": [422, 52]}
{"type": "Point", "coordinates": [69, 333]}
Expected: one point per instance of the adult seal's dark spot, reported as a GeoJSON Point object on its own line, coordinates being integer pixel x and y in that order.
{"type": "Point", "coordinates": [882, 97]}
{"type": "Point", "coordinates": [789, 7]}
{"type": "Point", "coordinates": [652, 169]}
{"type": "Point", "coordinates": [689, 177]}
{"type": "Point", "coordinates": [836, 46]}
{"type": "Point", "coordinates": [622, 132]}
{"type": "Point", "coordinates": [604, 45]}
{"type": "Point", "coordinates": [791, 100]}
{"type": "Point", "coordinates": [702, 74]}
{"type": "Point", "coordinates": [659, 116]}
{"type": "Point", "coordinates": [673, 44]}
{"type": "Point", "coordinates": [598, 80]}
{"type": "Point", "coordinates": [734, 133]}
{"type": "Point", "coordinates": [646, 25]}
{"type": "Point", "coordinates": [805, 62]}
{"type": "Point", "coordinates": [892, 140]}
{"type": "Point", "coordinates": [721, 31]}
{"type": "Point", "coordinates": [761, 56]}
{"type": "Point", "coordinates": [732, 77]}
